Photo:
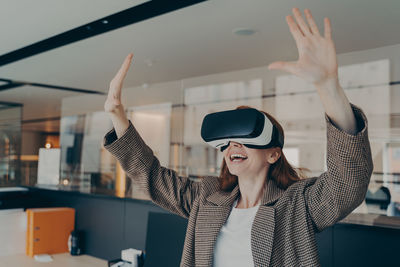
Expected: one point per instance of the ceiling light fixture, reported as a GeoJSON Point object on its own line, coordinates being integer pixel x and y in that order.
{"type": "Point", "coordinates": [244, 31]}
{"type": "Point", "coordinates": [149, 62]}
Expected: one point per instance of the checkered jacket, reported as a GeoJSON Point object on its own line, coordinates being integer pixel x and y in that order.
{"type": "Point", "coordinates": [283, 231]}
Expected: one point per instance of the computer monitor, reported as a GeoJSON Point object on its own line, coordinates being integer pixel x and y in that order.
{"type": "Point", "coordinates": [164, 239]}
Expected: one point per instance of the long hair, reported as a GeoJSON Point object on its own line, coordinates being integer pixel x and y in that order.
{"type": "Point", "coordinates": [281, 171]}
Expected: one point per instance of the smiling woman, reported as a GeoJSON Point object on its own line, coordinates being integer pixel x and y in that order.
{"type": "Point", "coordinates": [245, 201]}
{"type": "Point", "coordinates": [282, 213]}
{"type": "Point", "coordinates": [273, 159]}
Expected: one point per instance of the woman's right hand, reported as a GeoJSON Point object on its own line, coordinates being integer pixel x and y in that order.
{"type": "Point", "coordinates": [113, 103]}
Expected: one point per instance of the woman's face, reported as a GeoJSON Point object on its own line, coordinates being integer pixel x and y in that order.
{"type": "Point", "coordinates": [244, 161]}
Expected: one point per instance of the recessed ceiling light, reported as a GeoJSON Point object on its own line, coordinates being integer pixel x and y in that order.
{"type": "Point", "coordinates": [149, 62]}
{"type": "Point", "coordinates": [244, 31]}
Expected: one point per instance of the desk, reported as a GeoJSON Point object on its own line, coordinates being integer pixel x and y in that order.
{"type": "Point", "coordinates": [59, 260]}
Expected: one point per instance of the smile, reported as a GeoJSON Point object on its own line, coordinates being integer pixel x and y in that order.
{"type": "Point", "coordinates": [237, 157]}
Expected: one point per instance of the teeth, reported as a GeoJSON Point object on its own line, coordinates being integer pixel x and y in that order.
{"type": "Point", "coordinates": [233, 156]}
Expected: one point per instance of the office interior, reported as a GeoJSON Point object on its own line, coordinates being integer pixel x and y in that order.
{"type": "Point", "coordinates": [191, 58]}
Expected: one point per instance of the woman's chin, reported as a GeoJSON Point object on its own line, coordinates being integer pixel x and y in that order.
{"type": "Point", "coordinates": [236, 170]}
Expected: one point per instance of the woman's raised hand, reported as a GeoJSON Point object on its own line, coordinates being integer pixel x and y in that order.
{"type": "Point", "coordinates": [113, 102]}
{"type": "Point", "coordinates": [317, 54]}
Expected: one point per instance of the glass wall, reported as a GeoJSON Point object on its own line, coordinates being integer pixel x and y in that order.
{"type": "Point", "coordinates": [170, 124]}
{"type": "Point", "coordinates": [84, 164]}
{"type": "Point", "coordinates": [10, 145]}
{"type": "Point", "coordinates": [169, 115]}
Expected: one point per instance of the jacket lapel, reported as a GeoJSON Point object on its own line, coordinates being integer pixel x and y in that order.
{"type": "Point", "coordinates": [271, 193]}
{"type": "Point", "coordinates": [211, 217]}
{"type": "Point", "coordinates": [221, 198]}
{"type": "Point", "coordinates": [263, 229]}
{"type": "Point", "coordinates": [214, 213]}
{"type": "Point", "coordinates": [209, 222]}
{"type": "Point", "coordinates": [262, 235]}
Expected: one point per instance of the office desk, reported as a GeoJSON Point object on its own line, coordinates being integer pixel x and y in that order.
{"type": "Point", "coordinates": [59, 260]}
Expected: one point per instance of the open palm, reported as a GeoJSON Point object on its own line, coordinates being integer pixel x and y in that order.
{"type": "Point", "coordinates": [317, 54]}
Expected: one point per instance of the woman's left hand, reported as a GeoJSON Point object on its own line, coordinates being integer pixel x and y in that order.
{"type": "Point", "coordinates": [317, 54]}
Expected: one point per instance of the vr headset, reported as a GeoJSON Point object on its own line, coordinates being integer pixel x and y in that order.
{"type": "Point", "coordinates": [249, 127]}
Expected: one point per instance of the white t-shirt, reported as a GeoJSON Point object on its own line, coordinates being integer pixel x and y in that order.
{"type": "Point", "coordinates": [233, 245]}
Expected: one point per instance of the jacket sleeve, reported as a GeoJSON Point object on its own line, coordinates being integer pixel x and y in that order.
{"type": "Point", "coordinates": [343, 187]}
{"type": "Point", "coordinates": [163, 186]}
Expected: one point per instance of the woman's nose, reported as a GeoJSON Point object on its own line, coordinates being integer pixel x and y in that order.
{"type": "Point", "coordinates": [231, 143]}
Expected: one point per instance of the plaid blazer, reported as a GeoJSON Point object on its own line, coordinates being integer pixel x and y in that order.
{"type": "Point", "coordinates": [283, 231]}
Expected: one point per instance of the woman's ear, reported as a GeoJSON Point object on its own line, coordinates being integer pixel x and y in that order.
{"type": "Point", "coordinates": [274, 155]}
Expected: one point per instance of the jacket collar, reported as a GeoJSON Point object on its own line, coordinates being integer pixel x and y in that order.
{"type": "Point", "coordinates": [271, 193]}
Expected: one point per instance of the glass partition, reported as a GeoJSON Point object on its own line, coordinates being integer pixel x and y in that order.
{"type": "Point", "coordinates": [172, 129]}
{"type": "Point", "coordinates": [10, 145]}
{"type": "Point", "coordinates": [168, 115]}
{"type": "Point", "coordinates": [84, 164]}
{"type": "Point", "coordinates": [201, 66]}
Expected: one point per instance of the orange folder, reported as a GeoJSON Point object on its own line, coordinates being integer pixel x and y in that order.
{"type": "Point", "coordinates": [48, 230]}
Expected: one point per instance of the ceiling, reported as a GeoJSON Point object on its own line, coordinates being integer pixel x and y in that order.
{"type": "Point", "coordinates": [192, 41]}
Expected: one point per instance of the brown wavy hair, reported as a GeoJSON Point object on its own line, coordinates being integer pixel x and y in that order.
{"type": "Point", "coordinates": [281, 171]}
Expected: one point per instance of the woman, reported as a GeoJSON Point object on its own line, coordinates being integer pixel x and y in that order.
{"type": "Point", "coordinates": [282, 219]}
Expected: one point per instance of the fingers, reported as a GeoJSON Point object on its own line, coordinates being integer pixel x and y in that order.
{"type": "Point", "coordinates": [311, 22]}
{"type": "Point", "coordinates": [294, 29]}
{"type": "Point", "coordinates": [300, 28]}
{"type": "Point", "coordinates": [300, 21]}
{"type": "Point", "coordinates": [124, 69]}
{"type": "Point", "coordinates": [328, 28]}
{"type": "Point", "coordinates": [117, 81]}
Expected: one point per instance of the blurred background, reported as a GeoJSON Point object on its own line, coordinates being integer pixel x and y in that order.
{"type": "Point", "coordinates": [190, 58]}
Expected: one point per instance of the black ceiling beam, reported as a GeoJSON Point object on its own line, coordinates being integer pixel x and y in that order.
{"type": "Point", "coordinates": [394, 83]}
{"type": "Point", "coordinates": [11, 104]}
{"type": "Point", "coordinates": [13, 84]}
{"type": "Point", "coordinates": [126, 17]}
{"type": "Point", "coordinates": [5, 80]}
{"type": "Point", "coordinates": [10, 86]}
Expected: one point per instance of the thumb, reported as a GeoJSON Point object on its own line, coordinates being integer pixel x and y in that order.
{"type": "Point", "coordinates": [116, 101]}
{"type": "Point", "coordinates": [289, 66]}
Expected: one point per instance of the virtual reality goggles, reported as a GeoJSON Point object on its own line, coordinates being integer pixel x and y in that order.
{"type": "Point", "coordinates": [249, 127]}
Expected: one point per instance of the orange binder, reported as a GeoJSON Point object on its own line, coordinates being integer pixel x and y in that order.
{"type": "Point", "coordinates": [48, 230]}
